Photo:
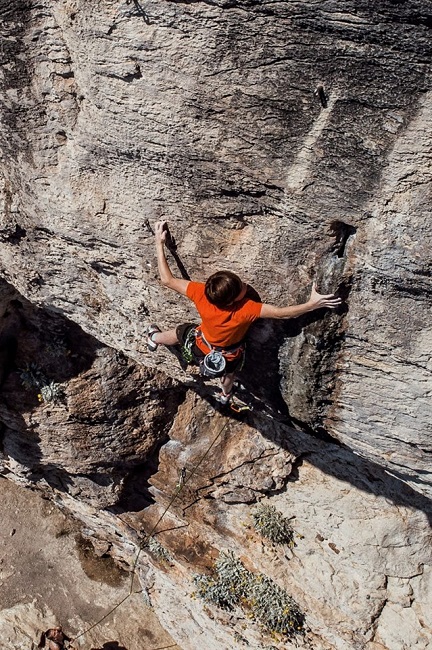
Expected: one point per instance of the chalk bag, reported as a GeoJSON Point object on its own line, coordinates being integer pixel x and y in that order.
{"type": "Point", "coordinates": [213, 364]}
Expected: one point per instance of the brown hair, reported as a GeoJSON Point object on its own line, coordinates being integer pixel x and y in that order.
{"type": "Point", "coordinates": [222, 288]}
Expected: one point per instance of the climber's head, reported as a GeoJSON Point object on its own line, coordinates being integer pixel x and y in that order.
{"type": "Point", "coordinates": [223, 288]}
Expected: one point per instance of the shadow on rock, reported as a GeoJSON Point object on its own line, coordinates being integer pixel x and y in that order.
{"type": "Point", "coordinates": [37, 347]}
{"type": "Point", "coordinates": [268, 413]}
{"type": "Point", "coordinates": [324, 452]}
{"type": "Point", "coordinates": [111, 645]}
{"type": "Point", "coordinates": [108, 418]}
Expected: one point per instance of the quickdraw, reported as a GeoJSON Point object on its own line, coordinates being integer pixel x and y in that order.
{"type": "Point", "coordinates": [239, 407]}
{"type": "Point", "coordinates": [186, 348]}
{"type": "Point", "coordinates": [181, 478]}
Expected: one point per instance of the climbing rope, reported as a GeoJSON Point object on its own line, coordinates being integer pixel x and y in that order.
{"type": "Point", "coordinates": [179, 488]}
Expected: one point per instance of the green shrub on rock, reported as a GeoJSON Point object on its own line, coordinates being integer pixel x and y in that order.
{"type": "Point", "coordinates": [271, 523]}
{"type": "Point", "coordinates": [232, 585]}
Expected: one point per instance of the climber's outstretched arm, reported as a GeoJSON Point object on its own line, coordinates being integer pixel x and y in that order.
{"type": "Point", "coordinates": [316, 301]}
{"type": "Point", "coordinates": [167, 278]}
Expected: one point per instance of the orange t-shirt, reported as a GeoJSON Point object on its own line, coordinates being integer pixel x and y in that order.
{"type": "Point", "coordinates": [223, 327]}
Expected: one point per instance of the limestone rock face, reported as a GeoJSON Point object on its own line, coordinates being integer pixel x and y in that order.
{"type": "Point", "coordinates": [288, 142]}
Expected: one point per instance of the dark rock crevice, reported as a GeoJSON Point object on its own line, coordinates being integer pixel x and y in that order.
{"type": "Point", "coordinates": [111, 409]}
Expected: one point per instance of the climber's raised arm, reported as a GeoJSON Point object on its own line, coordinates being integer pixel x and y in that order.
{"type": "Point", "coordinates": [166, 277]}
{"type": "Point", "coordinates": [316, 301]}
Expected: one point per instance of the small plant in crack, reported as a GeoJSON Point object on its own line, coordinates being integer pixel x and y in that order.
{"type": "Point", "coordinates": [56, 348]}
{"type": "Point", "coordinates": [227, 585]}
{"type": "Point", "coordinates": [272, 525]}
{"type": "Point", "coordinates": [232, 585]}
{"type": "Point", "coordinates": [32, 376]}
{"type": "Point", "coordinates": [157, 550]}
{"type": "Point", "coordinates": [274, 608]}
{"type": "Point", "coordinates": [51, 392]}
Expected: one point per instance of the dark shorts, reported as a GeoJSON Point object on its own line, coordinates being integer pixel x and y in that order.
{"type": "Point", "coordinates": [182, 332]}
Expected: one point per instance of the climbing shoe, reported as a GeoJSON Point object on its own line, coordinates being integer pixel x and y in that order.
{"type": "Point", "coordinates": [223, 398]}
{"type": "Point", "coordinates": [151, 345]}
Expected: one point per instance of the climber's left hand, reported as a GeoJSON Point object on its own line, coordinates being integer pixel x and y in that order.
{"type": "Point", "coordinates": [161, 232]}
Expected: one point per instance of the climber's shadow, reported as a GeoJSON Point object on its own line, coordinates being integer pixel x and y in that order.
{"type": "Point", "coordinates": [171, 245]}
{"type": "Point", "coordinates": [111, 645]}
{"type": "Point", "coordinates": [139, 10]}
{"type": "Point", "coordinates": [327, 454]}
{"type": "Point", "coordinates": [260, 379]}
{"type": "Point", "coordinates": [338, 460]}
{"type": "Point", "coordinates": [261, 374]}
{"type": "Point", "coordinates": [170, 241]}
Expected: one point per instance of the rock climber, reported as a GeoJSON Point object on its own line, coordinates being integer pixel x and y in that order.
{"type": "Point", "coordinates": [54, 639]}
{"type": "Point", "coordinates": [227, 311]}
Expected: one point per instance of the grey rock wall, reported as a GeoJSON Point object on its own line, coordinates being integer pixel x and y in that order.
{"type": "Point", "coordinates": [115, 114]}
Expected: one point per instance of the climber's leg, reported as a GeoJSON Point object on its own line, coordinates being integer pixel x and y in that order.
{"type": "Point", "coordinates": [155, 337]}
{"type": "Point", "coordinates": [166, 338]}
{"type": "Point", "coordinates": [227, 382]}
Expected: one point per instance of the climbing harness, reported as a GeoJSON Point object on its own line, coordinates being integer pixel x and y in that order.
{"type": "Point", "coordinates": [214, 363]}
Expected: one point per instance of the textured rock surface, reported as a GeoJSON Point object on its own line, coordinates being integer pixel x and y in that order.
{"type": "Point", "coordinates": [362, 538]}
{"type": "Point", "coordinates": [113, 416]}
{"type": "Point", "coordinates": [51, 576]}
{"type": "Point", "coordinates": [114, 114]}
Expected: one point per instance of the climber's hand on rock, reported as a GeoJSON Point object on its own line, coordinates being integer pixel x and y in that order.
{"type": "Point", "coordinates": [160, 232]}
{"type": "Point", "coordinates": [318, 300]}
